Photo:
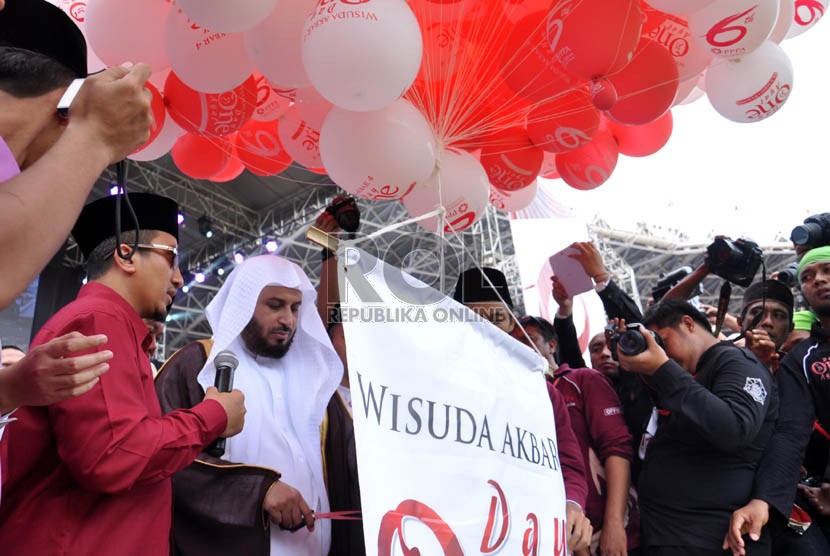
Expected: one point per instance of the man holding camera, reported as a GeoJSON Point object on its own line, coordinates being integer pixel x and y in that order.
{"type": "Point", "coordinates": [802, 385]}
{"type": "Point", "coordinates": [717, 411]}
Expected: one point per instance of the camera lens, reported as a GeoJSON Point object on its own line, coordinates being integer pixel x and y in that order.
{"type": "Point", "coordinates": [632, 342]}
{"type": "Point", "coordinates": [806, 234]}
{"type": "Point", "coordinates": [788, 274]}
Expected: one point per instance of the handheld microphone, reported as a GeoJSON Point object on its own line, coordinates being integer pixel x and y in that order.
{"type": "Point", "coordinates": [225, 363]}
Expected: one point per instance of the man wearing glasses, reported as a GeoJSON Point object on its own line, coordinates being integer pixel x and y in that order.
{"type": "Point", "coordinates": [97, 468]}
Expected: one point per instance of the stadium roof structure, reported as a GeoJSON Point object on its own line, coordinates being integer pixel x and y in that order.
{"type": "Point", "coordinates": [247, 212]}
{"type": "Point", "coordinates": [638, 259]}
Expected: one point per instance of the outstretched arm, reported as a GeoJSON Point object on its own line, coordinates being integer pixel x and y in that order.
{"type": "Point", "coordinates": [109, 118]}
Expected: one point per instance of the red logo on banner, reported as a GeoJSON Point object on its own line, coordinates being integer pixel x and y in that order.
{"type": "Point", "coordinates": [392, 525]}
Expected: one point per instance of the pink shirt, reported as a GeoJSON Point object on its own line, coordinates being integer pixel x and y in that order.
{"type": "Point", "coordinates": [8, 165]}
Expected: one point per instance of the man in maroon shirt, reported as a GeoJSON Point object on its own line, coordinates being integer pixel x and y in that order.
{"type": "Point", "coordinates": [604, 440]}
{"type": "Point", "coordinates": [91, 475]}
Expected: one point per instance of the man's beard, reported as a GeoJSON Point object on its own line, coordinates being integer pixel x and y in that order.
{"type": "Point", "coordinates": [255, 341]}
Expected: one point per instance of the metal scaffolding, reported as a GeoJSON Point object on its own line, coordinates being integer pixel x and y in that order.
{"type": "Point", "coordinates": [636, 259]}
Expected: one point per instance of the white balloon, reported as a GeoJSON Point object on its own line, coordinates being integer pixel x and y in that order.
{"type": "Point", "coordinates": [300, 139]}
{"type": "Point", "coordinates": [314, 113]}
{"type": "Point", "coordinates": [674, 35]}
{"type": "Point", "coordinates": [786, 14]}
{"type": "Point", "coordinates": [162, 144]}
{"type": "Point", "coordinates": [362, 57]}
{"type": "Point", "coordinates": [128, 31]}
{"type": "Point", "coordinates": [752, 88]}
{"type": "Point", "coordinates": [459, 185]}
{"type": "Point", "coordinates": [275, 44]}
{"type": "Point", "coordinates": [512, 201]}
{"type": "Point", "coordinates": [695, 93]}
{"type": "Point", "coordinates": [379, 155]}
{"type": "Point", "coordinates": [205, 60]}
{"type": "Point", "coordinates": [807, 14]}
{"type": "Point", "coordinates": [226, 16]}
{"type": "Point", "coordinates": [685, 89]}
{"type": "Point", "coordinates": [678, 7]}
{"type": "Point", "coordinates": [76, 9]}
{"type": "Point", "coordinates": [734, 28]}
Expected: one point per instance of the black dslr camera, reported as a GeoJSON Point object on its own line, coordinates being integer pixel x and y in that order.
{"type": "Point", "coordinates": [345, 212]}
{"type": "Point", "coordinates": [631, 341]}
{"type": "Point", "coordinates": [736, 261]}
{"type": "Point", "coordinates": [815, 231]}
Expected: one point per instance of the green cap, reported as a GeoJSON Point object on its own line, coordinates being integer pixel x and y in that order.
{"type": "Point", "coordinates": [816, 255]}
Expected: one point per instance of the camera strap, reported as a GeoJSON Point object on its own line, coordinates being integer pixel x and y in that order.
{"type": "Point", "coordinates": [723, 305]}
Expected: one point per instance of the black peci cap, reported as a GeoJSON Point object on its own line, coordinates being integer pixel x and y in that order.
{"type": "Point", "coordinates": [38, 26]}
{"type": "Point", "coordinates": [473, 287]}
{"type": "Point", "coordinates": [96, 223]}
{"type": "Point", "coordinates": [769, 289]}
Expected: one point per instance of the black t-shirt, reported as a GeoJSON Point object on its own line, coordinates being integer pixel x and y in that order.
{"type": "Point", "coordinates": [711, 435]}
{"type": "Point", "coordinates": [803, 380]}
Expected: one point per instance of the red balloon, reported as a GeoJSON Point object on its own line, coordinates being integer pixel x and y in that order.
{"type": "Point", "coordinates": [473, 19]}
{"type": "Point", "coordinates": [232, 170]}
{"type": "Point", "coordinates": [210, 113]}
{"type": "Point", "coordinates": [603, 93]}
{"type": "Point", "coordinates": [201, 157]}
{"type": "Point", "coordinates": [593, 37]}
{"type": "Point", "coordinates": [653, 19]}
{"type": "Point", "coordinates": [511, 161]}
{"type": "Point", "coordinates": [642, 140]}
{"type": "Point", "coordinates": [563, 124]}
{"type": "Point", "coordinates": [158, 111]}
{"type": "Point", "coordinates": [444, 50]}
{"type": "Point", "coordinates": [646, 87]}
{"type": "Point", "coordinates": [528, 65]}
{"type": "Point", "coordinates": [514, 10]}
{"type": "Point", "coordinates": [590, 166]}
{"type": "Point", "coordinates": [259, 148]}
{"type": "Point", "coordinates": [270, 104]}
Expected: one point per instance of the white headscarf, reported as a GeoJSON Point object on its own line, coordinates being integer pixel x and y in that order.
{"type": "Point", "coordinates": [310, 371]}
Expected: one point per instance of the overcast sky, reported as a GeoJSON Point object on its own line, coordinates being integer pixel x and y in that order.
{"type": "Point", "coordinates": [714, 175]}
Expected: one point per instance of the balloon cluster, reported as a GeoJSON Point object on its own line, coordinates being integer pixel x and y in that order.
{"type": "Point", "coordinates": [440, 103]}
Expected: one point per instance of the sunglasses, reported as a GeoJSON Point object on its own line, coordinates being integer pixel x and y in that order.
{"type": "Point", "coordinates": [174, 261]}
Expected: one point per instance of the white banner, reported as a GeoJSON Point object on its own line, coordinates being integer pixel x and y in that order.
{"type": "Point", "coordinates": [456, 443]}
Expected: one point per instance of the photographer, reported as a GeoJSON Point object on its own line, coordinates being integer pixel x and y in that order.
{"type": "Point", "coordinates": [604, 440]}
{"type": "Point", "coordinates": [813, 233]}
{"type": "Point", "coordinates": [718, 409]}
{"type": "Point", "coordinates": [634, 398]}
{"type": "Point", "coordinates": [804, 395]}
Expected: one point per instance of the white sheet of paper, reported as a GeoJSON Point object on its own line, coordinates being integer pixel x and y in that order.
{"type": "Point", "coordinates": [570, 272]}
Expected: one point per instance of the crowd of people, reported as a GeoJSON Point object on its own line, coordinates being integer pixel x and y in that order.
{"type": "Point", "coordinates": [673, 438]}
